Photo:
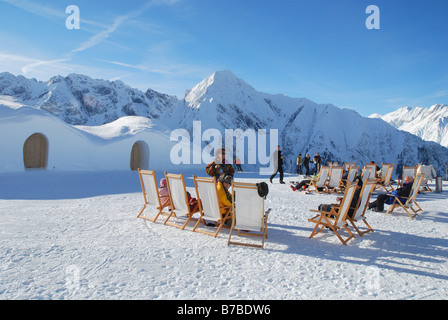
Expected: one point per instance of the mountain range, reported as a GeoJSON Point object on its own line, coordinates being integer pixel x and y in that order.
{"type": "Point", "coordinates": [430, 124]}
{"type": "Point", "coordinates": [224, 101]}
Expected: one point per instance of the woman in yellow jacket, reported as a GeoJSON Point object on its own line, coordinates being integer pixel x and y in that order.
{"type": "Point", "coordinates": [224, 196]}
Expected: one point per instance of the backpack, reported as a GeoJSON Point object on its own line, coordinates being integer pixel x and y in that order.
{"type": "Point", "coordinates": [263, 189]}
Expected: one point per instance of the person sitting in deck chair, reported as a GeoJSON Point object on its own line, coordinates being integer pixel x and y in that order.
{"type": "Point", "coordinates": [353, 204]}
{"type": "Point", "coordinates": [164, 193]}
{"type": "Point", "coordinates": [404, 191]}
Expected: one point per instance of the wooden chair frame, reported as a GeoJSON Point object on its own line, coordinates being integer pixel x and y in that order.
{"type": "Point", "coordinates": [336, 218]}
{"type": "Point", "coordinates": [261, 230]}
{"type": "Point", "coordinates": [149, 185]}
{"type": "Point", "coordinates": [321, 179]}
{"type": "Point", "coordinates": [211, 197]}
{"type": "Point", "coordinates": [361, 206]}
{"type": "Point", "coordinates": [334, 182]}
{"type": "Point", "coordinates": [384, 180]}
{"type": "Point", "coordinates": [179, 205]}
{"type": "Point", "coordinates": [411, 201]}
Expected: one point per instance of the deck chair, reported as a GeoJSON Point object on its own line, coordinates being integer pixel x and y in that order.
{"type": "Point", "coordinates": [209, 208]}
{"type": "Point", "coordinates": [407, 171]}
{"type": "Point", "coordinates": [352, 172]}
{"type": "Point", "coordinates": [151, 195]}
{"type": "Point", "coordinates": [336, 218]}
{"type": "Point", "coordinates": [180, 207]}
{"type": "Point", "coordinates": [321, 179]}
{"type": "Point", "coordinates": [248, 216]}
{"type": "Point", "coordinates": [363, 203]}
{"type": "Point", "coordinates": [368, 172]}
{"type": "Point", "coordinates": [411, 201]}
{"type": "Point", "coordinates": [334, 181]}
{"type": "Point", "coordinates": [347, 165]}
{"type": "Point", "coordinates": [386, 174]}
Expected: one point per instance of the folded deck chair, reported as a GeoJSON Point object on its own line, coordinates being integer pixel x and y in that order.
{"type": "Point", "coordinates": [180, 207]}
{"type": "Point", "coordinates": [336, 218]}
{"type": "Point", "coordinates": [248, 216]}
{"type": "Point", "coordinates": [321, 179]}
{"type": "Point", "coordinates": [207, 193]}
{"type": "Point", "coordinates": [363, 203]}
{"type": "Point", "coordinates": [334, 182]}
{"type": "Point", "coordinates": [386, 174]}
{"type": "Point", "coordinates": [411, 201]}
{"type": "Point", "coordinates": [151, 195]}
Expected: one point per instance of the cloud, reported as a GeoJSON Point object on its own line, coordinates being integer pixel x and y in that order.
{"type": "Point", "coordinates": [103, 35]}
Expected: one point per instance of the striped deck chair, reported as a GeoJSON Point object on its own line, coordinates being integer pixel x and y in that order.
{"type": "Point", "coordinates": [151, 195]}
{"type": "Point", "coordinates": [209, 208]}
{"type": "Point", "coordinates": [249, 218]}
{"type": "Point", "coordinates": [363, 203]}
{"type": "Point", "coordinates": [336, 218]}
{"type": "Point", "coordinates": [180, 207]}
{"type": "Point", "coordinates": [411, 201]}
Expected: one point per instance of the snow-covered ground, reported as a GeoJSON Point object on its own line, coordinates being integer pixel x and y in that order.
{"type": "Point", "coordinates": [76, 236]}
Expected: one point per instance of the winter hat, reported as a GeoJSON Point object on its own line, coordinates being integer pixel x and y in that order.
{"type": "Point", "coordinates": [162, 183]}
{"type": "Point", "coordinates": [227, 178]}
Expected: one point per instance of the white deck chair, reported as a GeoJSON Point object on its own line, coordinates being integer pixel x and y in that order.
{"type": "Point", "coordinates": [336, 218]}
{"type": "Point", "coordinates": [411, 200]}
{"type": "Point", "coordinates": [407, 171]}
{"type": "Point", "coordinates": [321, 179]}
{"type": "Point", "coordinates": [151, 195]}
{"type": "Point", "coordinates": [334, 181]}
{"type": "Point", "coordinates": [248, 215]}
{"type": "Point", "coordinates": [180, 206]}
{"type": "Point", "coordinates": [209, 208]}
{"type": "Point", "coordinates": [352, 172]}
{"type": "Point", "coordinates": [363, 203]}
{"type": "Point", "coordinates": [347, 165]}
{"type": "Point", "coordinates": [386, 174]}
{"type": "Point", "coordinates": [368, 172]}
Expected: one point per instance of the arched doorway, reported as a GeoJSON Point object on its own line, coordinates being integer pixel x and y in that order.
{"type": "Point", "coordinates": [140, 156]}
{"type": "Point", "coordinates": [35, 152]}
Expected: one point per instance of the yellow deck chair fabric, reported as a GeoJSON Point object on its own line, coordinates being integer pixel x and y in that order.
{"type": "Point", "coordinates": [249, 218]}
{"type": "Point", "coordinates": [180, 207]}
{"type": "Point", "coordinates": [207, 193]}
{"type": "Point", "coordinates": [151, 195]}
{"type": "Point", "coordinates": [336, 218]}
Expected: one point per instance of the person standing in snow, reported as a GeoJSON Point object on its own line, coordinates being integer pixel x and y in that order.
{"type": "Point", "coordinates": [306, 164]}
{"type": "Point", "coordinates": [299, 162]}
{"type": "Point", "coordinates": [278, 164]}
{"type": "Point", "coordinates": [238, 164]}
{"type": "Point", "coordinates": [317, 163]}
{"type": "Point", "coordinates": [219, 167]}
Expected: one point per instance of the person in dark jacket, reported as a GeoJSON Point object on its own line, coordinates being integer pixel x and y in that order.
{"type": "Point", "coordinates": [317, 163]}
{"type": "Point", "coordinates": [404, 191]}
{"type": "Point", "coordinates": [278, 164]}
{"type": "Point", "coordinates": [306, 164]}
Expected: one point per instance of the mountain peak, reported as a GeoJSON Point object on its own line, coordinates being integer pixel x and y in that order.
{"type": "Point", "coordinates": [218, 85]}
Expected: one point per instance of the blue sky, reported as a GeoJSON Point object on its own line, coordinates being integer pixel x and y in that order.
{"type": "Point", "coordinates": [318, 49]}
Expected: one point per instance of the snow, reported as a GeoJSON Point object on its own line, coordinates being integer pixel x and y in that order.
{"type": "Point", "coordinates": [75, 235]}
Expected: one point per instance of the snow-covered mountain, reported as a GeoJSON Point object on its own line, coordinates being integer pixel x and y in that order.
{"type": "Point", "coordinates": [81, 100]}
{"type": "Point", "coordinates": [223, 101]}
{"type": "Point", "coordinates": [430, 124]}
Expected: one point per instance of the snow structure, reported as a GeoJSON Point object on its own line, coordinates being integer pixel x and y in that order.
{"type": "Point", "coordinates": [430, 124]}
{"type": "Point", "coordinates": [101, 120]}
